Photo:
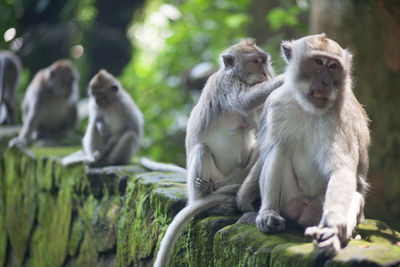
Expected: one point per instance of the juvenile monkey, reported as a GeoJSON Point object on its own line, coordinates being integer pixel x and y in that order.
{"type": "Point", "coordinates": [10, 70]}
{"type": "Point", "coordinates": [115, 124]}
{"type": "Point", "coordinates": [49, 104]}
{"type": "Point", "coordinates": [313, 143]}
{"type": "Point", "coordinates": [220, 135]}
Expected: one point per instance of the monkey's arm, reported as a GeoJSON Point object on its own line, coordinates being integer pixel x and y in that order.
{"type": "Point", "coordinates": [257, 94]}
{"type": "Point", "coordinates": [342, 208]}
{"type": "Point", "coordinates": [200, 164]}
{"type": "Point", "coordinates": [29, 125]}
{"type": "Point", "coordinates": [273, 171]}
{"type": "Point", "coordinates": [250, 189]}
{"type": "Point", "coordinates": [93, 143]}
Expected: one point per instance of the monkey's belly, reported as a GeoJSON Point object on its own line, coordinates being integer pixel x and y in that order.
{"type": "Point", "coordinates": [53, 115]}
{"type": "Point", "coordinates": [231, 150]}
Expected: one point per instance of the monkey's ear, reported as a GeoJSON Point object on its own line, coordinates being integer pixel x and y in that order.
{"type": "Point", "coordinates": [114, 88]}
{"type": "Point", "coordinates": [229, 60]}
{"type": "Point", "coordinates": [287, 50]}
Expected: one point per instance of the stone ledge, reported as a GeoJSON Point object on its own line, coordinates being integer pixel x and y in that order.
{"type": "Point", "coordinates": [51, 215]}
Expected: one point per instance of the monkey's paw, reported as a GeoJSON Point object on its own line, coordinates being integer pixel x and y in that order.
{"type": "Point", "coordinates": [269, 221]}
{"type": "Point", "coordinates": [227, 208]}
{"type": "Point", "coordinates": [326, 239]}
{"type": "Point", "coordinates": [203, 186]}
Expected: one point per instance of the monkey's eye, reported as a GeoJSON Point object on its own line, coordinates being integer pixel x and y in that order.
{"type": "Point", "coordinates": [318, 61]}
{"type": "Point", "coordinates": [333, 66]}
{"type": "Point", "coordinates": [256, 60]}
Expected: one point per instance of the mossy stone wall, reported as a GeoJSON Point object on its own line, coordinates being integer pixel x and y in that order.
{"type": "Point", "coordinates": [51, 215]}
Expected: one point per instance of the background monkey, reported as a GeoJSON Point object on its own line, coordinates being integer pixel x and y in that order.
{"type": "Point", "coordinates": [313, 144]}
{"type": "Point", "coordinates": [221, 134]}
{"type": "Point", "coordinates": [10, 70]}
{"type": "Point", "coordinates": [115, 124]}
{"type": "Point", "coordinates": [49, 104]}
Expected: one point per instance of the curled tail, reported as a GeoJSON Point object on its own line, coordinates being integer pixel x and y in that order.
{"type": "Point", "coordinates": [181, 219]}
{"type": "Point", "coordinates": [161, 167]}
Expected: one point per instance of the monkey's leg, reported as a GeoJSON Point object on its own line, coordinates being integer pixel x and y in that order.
{"type": "Point", "coordinates": [250, 189]}
{"type": "Point", "coordinates": [124, 149]}
{"type": "Point", "coordinates": [69, 121]}
{"type": "Point", "coordinates": [274, 170]}
{"type": "Point", "coordinates": [200, 165]}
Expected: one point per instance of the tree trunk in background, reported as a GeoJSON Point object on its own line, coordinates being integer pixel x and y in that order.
{"type": "Point", "coordinates": [108, 44]}
{"type": "Point", "coordinates": [371, 30]}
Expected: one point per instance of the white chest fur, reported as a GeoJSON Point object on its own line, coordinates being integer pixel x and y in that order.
{"type": "Point", "coordinates": [230, 142]}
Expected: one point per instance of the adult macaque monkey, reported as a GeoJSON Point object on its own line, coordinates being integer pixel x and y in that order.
{"type": "Point", "coordinates": [221, 134]}
{"type": "Point", "coordinates": [10, 70]}
{"type": "Point", "coordinates": [313, 144]}
{"type": "Point", "coordinates": [115, 125]}
{"type": "Point", "coordinates": [49, 104]}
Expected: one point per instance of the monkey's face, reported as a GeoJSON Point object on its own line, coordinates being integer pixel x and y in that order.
{"type": "Point", "coordinates": [103, 91]}
{"type": "Point", "coordinates": [61, 77]}
{"type": "Point", "coordinates": [320, 78]}
{"type": "Point", "coordinates": [254, 67]}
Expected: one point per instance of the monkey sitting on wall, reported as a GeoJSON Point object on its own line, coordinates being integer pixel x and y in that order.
{"type": "Point", "coordinates": [115, 125]}
{"type": "Point", "coordinates": [49, 105]}
{"type": "Point", "coordinates": [313, 142]}
{"type": "Point", "coordinates": [220, 136]}
{"type": "Point", "coordinates": [10, 71]}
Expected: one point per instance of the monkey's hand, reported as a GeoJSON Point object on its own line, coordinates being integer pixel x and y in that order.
{"type": "Point", "coordinates": [329, 236]}
{"type": "Point", "coordinates": [96, 160]}
{"type": "Point", "coordinates": [227, 208]}
{"type": "Point", "coordinates": [326, 239]}
{"type": "Point", "coordinates": [269, 221]}
{"type": "Point", "coordinates": [205, 187]}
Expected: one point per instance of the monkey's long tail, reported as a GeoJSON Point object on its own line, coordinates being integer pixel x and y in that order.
{"type": "Point", "coordinates": [161, 167]}
{"type": "Point", "coordinates": [180, 220]}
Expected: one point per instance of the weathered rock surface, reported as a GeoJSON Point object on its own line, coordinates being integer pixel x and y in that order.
{"type": "Point", "coordinates": [51, 215]}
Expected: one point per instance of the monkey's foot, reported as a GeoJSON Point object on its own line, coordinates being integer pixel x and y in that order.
{"type": "Point", "coordinates": [269, 221]}
{"type": "Point", "coordinates": [17, 142]}
{"type": "Point", "coordinates": [248, 218]}
{"type": "Point", "coordinates": [203, 186]}
{"type": "Point", "coordinates": [227, 208]}
{"type": "Point", "coordinates": [326, 239]}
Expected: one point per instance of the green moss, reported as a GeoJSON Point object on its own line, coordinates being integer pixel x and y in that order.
{"type": "Point", "coordinates": [87, 255]}
{"type": "Point", "coordinates": [377, 231]}
{"type": "Point", "coordinates": [195, 246]}
{"type": "Point", "coordinates": [49, 245]}
{"type": "Point", "coordinates": [76, 236]}
{"type": "Point", "coordinates": [20, 199]}
{"type": "Point", "coordinates": [293, 254]}
{"type": "Point", "coordinates": [54, 152]}
{"type": "Point", "coordinates": [357, 253]}
{"type": "Point", "coordinates": [245, 245]}
{"type": "Point", "coordinates": [3, 230]}
{"type": "Point", "coordinates": [151, 201]}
